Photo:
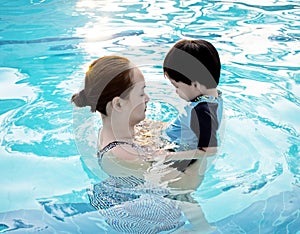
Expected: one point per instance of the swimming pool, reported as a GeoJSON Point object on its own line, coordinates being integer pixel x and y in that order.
{"type": "Point", "coordinates": [45, 47]}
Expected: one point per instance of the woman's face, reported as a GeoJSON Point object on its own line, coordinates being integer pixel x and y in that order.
{"type": "Point", "coordinates": [137, 100]}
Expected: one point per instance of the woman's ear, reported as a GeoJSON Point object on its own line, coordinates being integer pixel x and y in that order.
{"type": "Point", "coordinates": [117, 103]}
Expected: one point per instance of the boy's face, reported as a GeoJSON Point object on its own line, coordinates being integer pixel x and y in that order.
{"type": "Point", "coordinates": [185, 91]}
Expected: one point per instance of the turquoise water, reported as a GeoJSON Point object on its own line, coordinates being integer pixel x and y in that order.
{"type": "Point", "coordinates": [45, 48]}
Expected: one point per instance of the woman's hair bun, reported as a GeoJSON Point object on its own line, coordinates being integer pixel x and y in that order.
{"type": "Point", "coordinates": [79, 99]}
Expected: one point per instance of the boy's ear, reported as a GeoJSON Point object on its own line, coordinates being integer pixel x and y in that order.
{"type": "Point", "coordinates": [196, 84]}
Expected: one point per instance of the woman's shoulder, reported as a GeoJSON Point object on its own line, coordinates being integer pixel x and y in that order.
{"type": "Point", "coordinates": [124, 159]}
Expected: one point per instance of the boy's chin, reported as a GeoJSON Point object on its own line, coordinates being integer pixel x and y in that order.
{"type": "Point", "coordinates": [184, 98]}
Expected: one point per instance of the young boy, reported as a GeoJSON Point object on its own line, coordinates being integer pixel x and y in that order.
{"type": "Point", "coordinates": [193, 67]}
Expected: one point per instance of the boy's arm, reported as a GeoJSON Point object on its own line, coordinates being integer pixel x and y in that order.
{"type": "Point", "coordinates": [204, 123]}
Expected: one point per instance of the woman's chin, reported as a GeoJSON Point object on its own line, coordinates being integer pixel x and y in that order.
{"type": "Point", "coordinates": [143, 118]}
{"type": "Point", "coordinates": [137, 121]}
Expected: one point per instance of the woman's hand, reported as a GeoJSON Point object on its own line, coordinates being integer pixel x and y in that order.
{"type": "Point", "coordinates": [156, 155]}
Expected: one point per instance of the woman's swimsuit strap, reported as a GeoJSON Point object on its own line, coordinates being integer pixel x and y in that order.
{"type": "Point", "coordinates": [113, 144]}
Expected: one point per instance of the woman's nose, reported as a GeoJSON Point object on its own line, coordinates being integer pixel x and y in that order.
{"type": "Point", "coordinates": [147, 98]}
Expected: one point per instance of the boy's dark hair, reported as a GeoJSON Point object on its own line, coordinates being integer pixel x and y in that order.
{"type": "Point", "coordinates": [193, 60]}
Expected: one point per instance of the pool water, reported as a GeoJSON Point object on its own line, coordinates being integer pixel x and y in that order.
{"type": "Point", "coordinates": [253, 185]}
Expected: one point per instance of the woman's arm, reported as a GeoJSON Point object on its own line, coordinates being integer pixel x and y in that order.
{"type": "Point", "coordinates": [123, 160]}
{"type": "Point", "coordinates": [182, 155]}
{"type": "Point", "coordinates": [196, 217]}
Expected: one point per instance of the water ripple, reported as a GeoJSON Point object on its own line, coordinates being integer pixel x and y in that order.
{"type": "Point", "coordinates": [49, 40]}
{"type": "Point", "coordinates": [284, 38]}
{"type": "Point", "coordinates": [270, 8]}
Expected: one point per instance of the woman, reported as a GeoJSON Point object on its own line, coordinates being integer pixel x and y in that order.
{"type": "Point", "coordinates": [132, 199]}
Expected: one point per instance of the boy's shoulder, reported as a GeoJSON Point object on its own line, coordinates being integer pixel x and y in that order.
{"type": "Point", "coordinates": [206, 100]}
{"type": "Point", "coordinates": [206, 106]}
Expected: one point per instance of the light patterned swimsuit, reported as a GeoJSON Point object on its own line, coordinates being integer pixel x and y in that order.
{"type": "Point", "coordinates": [128, 206]}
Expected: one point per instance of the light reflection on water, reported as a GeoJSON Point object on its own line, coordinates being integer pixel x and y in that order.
{"type": "Point", "coordinates": [43, 63]}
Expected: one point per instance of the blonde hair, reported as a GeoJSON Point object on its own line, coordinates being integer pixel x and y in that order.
{"type": "Point", "coordinates": [107, 77]}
